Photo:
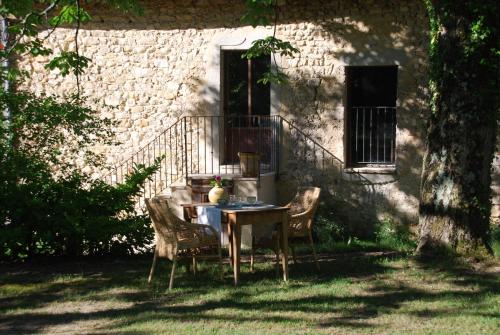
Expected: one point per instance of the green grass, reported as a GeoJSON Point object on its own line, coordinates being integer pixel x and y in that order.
{"type": "Point", "coordinates": [359, 294]}
{"type": "Point", "coordinates": [386, 235]}
{"type": "Point", "coordinates": [495, 241]}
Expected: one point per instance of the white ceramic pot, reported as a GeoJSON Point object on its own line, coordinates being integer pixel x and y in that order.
{"type": "Point", "coordinates": [215, 194]}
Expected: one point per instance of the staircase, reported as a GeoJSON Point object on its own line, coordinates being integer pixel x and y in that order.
{"type": "Point", "coordinates": [204, 146]}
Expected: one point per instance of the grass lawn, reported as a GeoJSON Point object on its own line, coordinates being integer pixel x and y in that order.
{"type": "Point", "coordinates": [368, 293]}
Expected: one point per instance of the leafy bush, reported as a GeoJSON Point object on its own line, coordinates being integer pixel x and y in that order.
{"type": "Point", "coordinates": [72, 216]}
{"type": "Point", "coordinates": [334, 235]}
{"type": "Point", "coordinates": [390, 235]}
{"type": "Point", "coordinates": [48, 205]}
{"type": "Point", "coordinates": [495, 240]}
{"type": "Point", "coordinates": [328, 229]}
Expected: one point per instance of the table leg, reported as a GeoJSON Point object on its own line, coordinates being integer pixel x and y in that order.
{"type": "Point", "coordinates": [230, 243]}
{"type": "Point", "coordinates": [284, 245]}
{"type": "Point", "coordinates": [236, 230]}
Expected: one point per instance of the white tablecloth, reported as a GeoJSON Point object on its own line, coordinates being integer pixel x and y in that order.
{"type": "Point", "coordinates": [211, 215]}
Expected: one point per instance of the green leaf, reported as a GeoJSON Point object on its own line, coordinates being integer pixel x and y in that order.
{"type": "Point", "coordinates": [128, 6]}
{"type": "Point", "coordinates": [69, 62]}
{"type": "Point", "coordinates": [70, 14]}
{"type": "Point", "coordinates": [273, 77]}
{"type": "Point", "coordinates": [259, 12]}
{"type": "Point", "coordinates": [36, 48]}
{"type": "Point", "coordinates": [268, 46]}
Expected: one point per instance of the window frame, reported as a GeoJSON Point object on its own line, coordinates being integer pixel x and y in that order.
{"type": "Point", "coordinates": [251, 82]}
{"type": "Point", "coordinates": [351, 164]}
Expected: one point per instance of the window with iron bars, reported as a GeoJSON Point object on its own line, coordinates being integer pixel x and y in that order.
{"type": "Point", "coordinates": [371, 93]}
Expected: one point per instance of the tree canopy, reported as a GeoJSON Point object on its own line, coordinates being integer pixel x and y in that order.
{"type": "Point", "coordinates": [48, 204]}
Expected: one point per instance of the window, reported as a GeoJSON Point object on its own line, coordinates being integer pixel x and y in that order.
{"type": "Point", "coordinates": [371, 115]}
{"type": "Point", "coordinates": [247, 105]}
{"type": "Point", "coordinates": [243, 96]}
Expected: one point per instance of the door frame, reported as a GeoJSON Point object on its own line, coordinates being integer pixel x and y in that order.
{"type": "Point", "coordinates": [246, 126]}
{"type": "Point", "coordinates": [213, 85]}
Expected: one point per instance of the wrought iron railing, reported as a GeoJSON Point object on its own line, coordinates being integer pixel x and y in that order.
{"type": "Point", "coordinates": [209, 145]}
{"type": "Point", "coordinates": [169, 144]}
{"type": "Point", "coordinates": [204, 145]}
{"type": "Point", "coordinates": [307, 157]}
{"type": "Point", "coordinates": [372, 135]}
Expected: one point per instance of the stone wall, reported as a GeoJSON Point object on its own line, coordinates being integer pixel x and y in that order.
{"type": "Point", "coordinates": [148, 71]}
{"type": "Point", "coordinates": [362, 33]}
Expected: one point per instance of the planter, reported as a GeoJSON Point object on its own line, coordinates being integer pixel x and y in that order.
{"type": "Point", "coordinates": [249, 163]}
{"type": "Point", "coordinates": [215, 194]}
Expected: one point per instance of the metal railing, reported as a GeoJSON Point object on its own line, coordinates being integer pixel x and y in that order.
{"type": "Point", "coordinates": [197, 146]}
{"type": "Point", "coordinates": [372, 135]}
{"type": "Point", "coordinates": [168, 144]}
{"type": "Point", "coordinates": [302, 153]}
{"type": "Point", "coordinates": [204, 146]}
{"type": "Point", "coordinates": [213, 143]}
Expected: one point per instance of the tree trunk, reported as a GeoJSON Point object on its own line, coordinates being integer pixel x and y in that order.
{"type": "Point", "coordinates": [455, 201]}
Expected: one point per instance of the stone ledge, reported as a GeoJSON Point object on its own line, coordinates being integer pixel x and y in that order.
{"type": "Point", "coordinates": [373, 170]}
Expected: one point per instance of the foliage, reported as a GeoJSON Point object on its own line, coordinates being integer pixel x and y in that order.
{"type": "Point", "coordinates": [218, 181]}
{"type": "Point", "coordinates": [394, 236]}
{"type": "Point", "coordinates": [268, 45]}
{"type": "Point", "coordinates": [464, 80]}
{"type": "Point", "coordinates": [261, 12]}
{"type": "Point", "coordinates": [482, 47]}
{"type": "Point", "coordinates": [495, 240]}
{"type": "Point", "coordinates": [48, 204]}
{"type": "Point", "coordinates": [333, 235]}
{"type": "Point", "coordinates": [68, 61]}
{"type": "Point", "coordinates": [32, 15]}
{"type": "Point", "coordinates": [70, 215]}
{"type": "Point", "coordinates": [50, 130]}
{"type": "Point", "coordinates": [329, 230]}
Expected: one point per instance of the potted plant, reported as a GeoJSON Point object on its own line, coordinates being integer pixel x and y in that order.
{"type": "Point", "coordinates": [217, 192]}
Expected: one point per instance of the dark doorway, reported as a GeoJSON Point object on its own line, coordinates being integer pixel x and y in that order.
{"type": "Point", "coordinates": [247, 105]}
{"type": "Point", "coordinates": [371, 115]}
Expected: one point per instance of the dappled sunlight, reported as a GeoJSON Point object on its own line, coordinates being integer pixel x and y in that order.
{"type": "Point", "coordinates": [348, 294]}
{"type": "Point", "coordinates": [155, 68]}
{"type": "Point", "coordinates": [166, 79]}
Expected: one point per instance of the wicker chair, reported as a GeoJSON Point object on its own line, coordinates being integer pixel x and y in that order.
{"type": "Point", "coordinates": [176, 238]}
{"type": "Point", "coordinates": [302, 210]}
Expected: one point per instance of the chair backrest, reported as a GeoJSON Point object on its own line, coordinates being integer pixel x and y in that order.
{"type": "Point", "coordinates": [165, 224]}
{"type": "Point", "coordinates": [306, 199]}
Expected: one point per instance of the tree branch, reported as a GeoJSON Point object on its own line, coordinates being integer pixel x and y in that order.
{"type": "Point", "coordinates": [274, 31]}
{"type": "Point", "coordinates": [77, 66]}
{"type": "Point", "coordinates": [24, 21]}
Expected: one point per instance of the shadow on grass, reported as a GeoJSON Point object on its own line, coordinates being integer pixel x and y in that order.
{"type": "Point", "coordinates": [204, 298]}
{"type": "Point", "coordinates": [459, 272]}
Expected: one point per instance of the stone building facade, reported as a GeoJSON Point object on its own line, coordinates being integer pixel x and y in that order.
{"type": "Point", "coordinates": [148, 71]}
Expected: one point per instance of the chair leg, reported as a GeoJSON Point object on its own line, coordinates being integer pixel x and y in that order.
{"type": "Point", "coordinates": [313, 250]}
{"type": "Point", "coordinates": [293, 254]}
{"type": "Point", "coordinates": [252, 255]}
{"type": "Point", "coordinates": [277, 253]}
{"type": "Point", "coordinates": [194, 266]}
{"type": "Point", "coordinates": [172, 273]}
{"type": "Point", "coordinates": [221, 269]}
{"type": "Point", "coordinates": [151, 272]}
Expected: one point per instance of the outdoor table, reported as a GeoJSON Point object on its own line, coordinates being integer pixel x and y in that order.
{"type": "Point", "coordinates": [250, 215]}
